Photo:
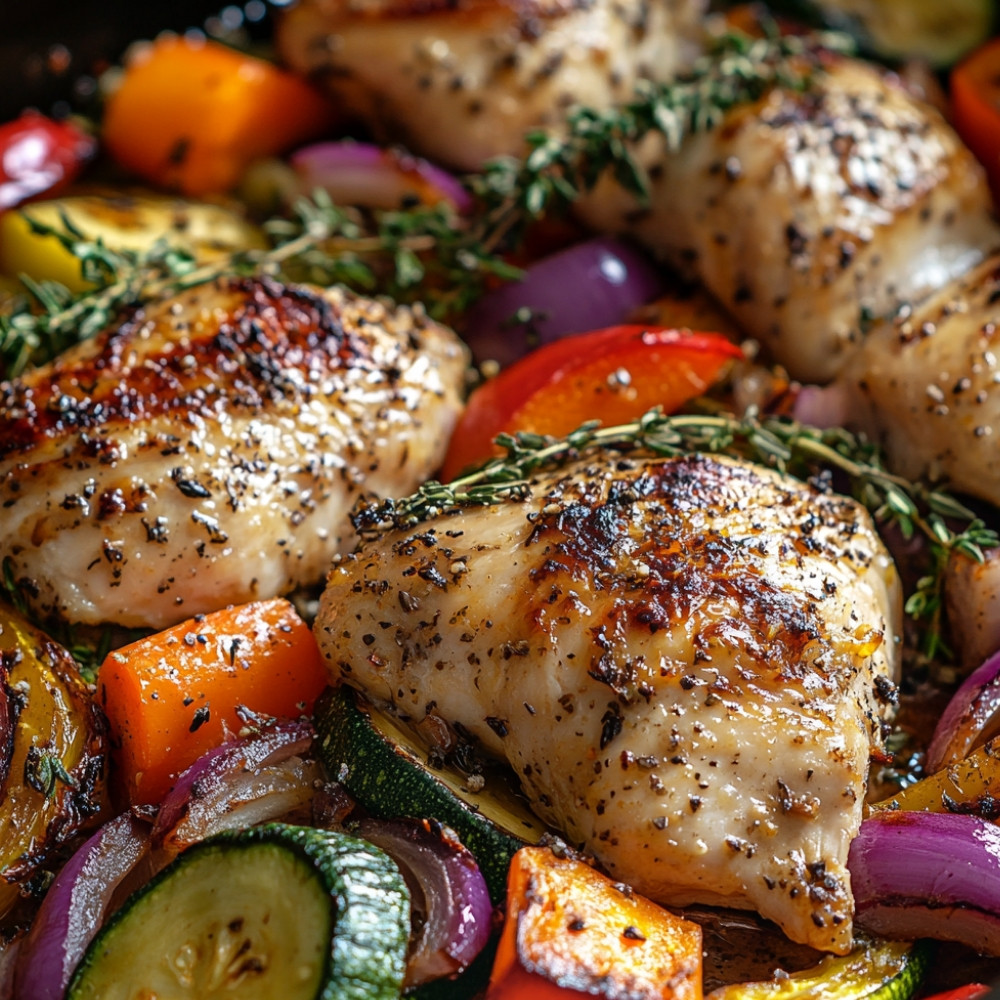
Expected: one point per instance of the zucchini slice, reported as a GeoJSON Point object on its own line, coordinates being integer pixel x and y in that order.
{"type": "Point", "coordinates": [274, 911]}
{"type": "Point", "coordinates": [874, 970]}
{"type": "Point", "coordinates": [384, 768]}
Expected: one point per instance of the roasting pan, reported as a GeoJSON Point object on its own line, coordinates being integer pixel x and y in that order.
{"type": "Point", "coordinates": [51, 52]}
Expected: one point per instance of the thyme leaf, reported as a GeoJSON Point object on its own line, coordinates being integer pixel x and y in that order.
{"type": "Point", "coordinates": [43, 769]}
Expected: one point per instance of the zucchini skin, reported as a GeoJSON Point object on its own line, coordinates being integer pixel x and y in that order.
{"type": "Point", "coordinates": [875, 969]}
{"type": "Point", "coordinates": [369, 909]}
{"type": "Point", "coordinates": [390, 784]}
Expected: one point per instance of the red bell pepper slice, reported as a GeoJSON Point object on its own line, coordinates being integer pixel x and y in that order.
{"type": "Point", "coordinates": [975, 97]}
{"type": "Point", "coordinates": [40, 156]}
{"type": "Point", "coordinates": [614, 375]}
{"type": "Point", "coordinates": [971, 991]}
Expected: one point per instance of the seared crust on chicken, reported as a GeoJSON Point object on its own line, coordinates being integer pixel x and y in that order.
{"type": "Point", "coordinates": [686, 662]}
{"type": "Point", "coordinates": [926, 386]}
{"type": "Point", "coordinates": [461, 82]}
{"type": "Point", "coordinates": [809, 213]}
{"type": "Point", "coordinates": [208, 449]}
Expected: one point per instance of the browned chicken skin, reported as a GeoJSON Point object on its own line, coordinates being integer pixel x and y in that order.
{"type": "Point", "coordinates": [926, 386]}
{"type": "Point", "coordinates": [686, 662]}
{"type": "Point", "coordinates": [208, 449]}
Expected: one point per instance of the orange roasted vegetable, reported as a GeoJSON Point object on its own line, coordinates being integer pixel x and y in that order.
{"type": "Point", "coordinates": [173, 696]}
{"type": "Point", "coordinates": [571, 931]}
{"type": "Point", "coordinates": [52, 746]}
{"type": "Point", "coordinates": [970, 785]}
{"type": "Point", "coordinates": [191, 115]}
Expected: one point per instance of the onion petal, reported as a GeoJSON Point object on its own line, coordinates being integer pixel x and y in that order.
{"type": "Point", "coordinates": [821, 406]}
{"type": "Point", "coordinates": [921, 874]}
{"type": "Point", "coordinates": [584, 287]}
{"type": "Point", "coordinates": [456, 903]}
{"type": "Point", "coordinates": [358, 173]}
{"type": "Point", "coordinates": [239, 784]}
{"type": "Point", "coordinates": [75, 908]}
{"type": "Point", "coordinates": [10, 949]}
{"type": "Point", "coordinates": [971, 716]}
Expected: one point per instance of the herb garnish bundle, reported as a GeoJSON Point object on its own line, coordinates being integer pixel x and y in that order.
{"type": "Point", "coordinates": [777, 442]}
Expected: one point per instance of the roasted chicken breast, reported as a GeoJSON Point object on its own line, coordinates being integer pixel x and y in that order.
{"type": "Point", "coordinates": [207, 450]}
{"type": "Point", "coordinates": [686, 661]}
{"type": "Point", "coordinates": [463, 82]}
{"type": "Point", "coordinates": [811, 212]}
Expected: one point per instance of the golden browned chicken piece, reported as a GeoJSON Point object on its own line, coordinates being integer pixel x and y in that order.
{"type": "Point", "coordinates": [207, 450]}
{"type": "Point", "coordinates": [686, 662]}
{"type": "Point", "coordinates": [809, 213]}
{"type": "Point", "coordinates": [461, 82]}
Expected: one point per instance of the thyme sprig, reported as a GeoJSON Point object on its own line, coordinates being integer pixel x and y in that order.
{"type": "Point", "coordinates": [777, 442]}
{"type": "Point", "coordinates": [737, 69]}
{"type": "Point", "coordinates": [446, 260]}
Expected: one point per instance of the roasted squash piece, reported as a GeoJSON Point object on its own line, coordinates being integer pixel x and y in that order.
{"type": "Point", "coordinates": [570, 930]}
{"type": "Point", "coordinates": [53, 750]}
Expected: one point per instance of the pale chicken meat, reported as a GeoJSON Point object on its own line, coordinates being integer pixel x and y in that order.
{"type": "Point", "coordinates": [686, 661]}
{"type": "Point", "coordinates": [208, 449]}
{"type": "Point", "coordinates": [809, 213]}
{"type": "Point", "coordinates": [926, 386]}
{"type": "Point", "coordinates": [463, 82]}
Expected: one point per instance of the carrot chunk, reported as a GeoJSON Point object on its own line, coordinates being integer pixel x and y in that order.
{"type": "Point", "coordinates": [173, 696]}
{"type": "Point", "coordinates": [570, 931]}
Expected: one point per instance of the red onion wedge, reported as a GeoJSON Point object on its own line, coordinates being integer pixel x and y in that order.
{"type": "Point", "coordinates": [934, 875]}
{"type": "Point", "coordinates": [75, 907]}
{"type": "Point", "coordinates": [358, 173]}
{"type": "Point", "coordinates": [448, 892]}
{"type": "Point", "coordinates": [585, 287]}
{"type": "Point", "coordinates": [821, 406]}
{"type": "Point", "coordinates": [971, 717]}
{"type": "Point", "coordinates": [239, 784]}
{"type": "Point", "coordinates": [10, 949]}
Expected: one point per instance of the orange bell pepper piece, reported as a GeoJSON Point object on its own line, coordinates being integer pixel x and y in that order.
{"type": "Point", "coordinates": [614, 375]}
{"type": "Point", "coordinates": [173, 696]}
{"type": "Point", "coordinates": [570, 932]}
{"type": "Point", "coordinates": [191, 115]}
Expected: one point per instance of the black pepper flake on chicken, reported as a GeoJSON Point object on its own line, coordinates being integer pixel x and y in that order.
{"type": "Point", "coordinates": [207, 449]}
{"type": "Point", "coordinates": [675, 579]}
